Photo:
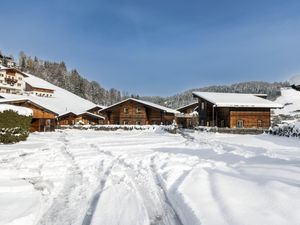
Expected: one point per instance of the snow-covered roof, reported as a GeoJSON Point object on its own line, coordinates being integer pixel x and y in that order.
{"type": "Point", "coordinates": [92, 114]}
{"type": "Point", "coordinates": [187, 106]}
{"type": "Point", "coordinates": [236, 100]}
{"type": "Point", "coordinates": [18, 109]}
{"type": "Point", "coordinates": [83, 113]}
{"type": "Point", "coordinates": [18, 100]}
{"type": "Point", "coordinates": [15, 69]}
{"type": "Point", "coordinates": [150, 104]}
{"type": "Point", "coordinates": [61, 102]}
{"type": "Point", "coordinates": [37, 82]}
{"type": "Point", "coordinates": [98, 106]}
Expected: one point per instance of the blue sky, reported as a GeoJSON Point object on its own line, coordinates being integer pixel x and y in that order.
{"type": "Point", "coordinates": [159, 47]}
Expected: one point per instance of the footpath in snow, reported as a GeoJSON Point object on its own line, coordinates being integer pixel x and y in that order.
{"type": "Point", "coordinates": [149, 177]}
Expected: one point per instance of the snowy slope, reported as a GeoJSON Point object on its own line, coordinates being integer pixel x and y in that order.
{"type": "Point", "coordinates": [290, 98]}
{"type": "Point", "coordinates": [144, 177]}
{"type": "Point", "coordinates": [62, 101]}
{"type": "Point", "coordinates": [295, 80]}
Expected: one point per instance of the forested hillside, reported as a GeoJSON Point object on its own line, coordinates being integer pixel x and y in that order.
{"type": "Point", "coordinates": [72, 81]}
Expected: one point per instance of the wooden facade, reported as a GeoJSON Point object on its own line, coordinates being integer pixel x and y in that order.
{"type": "Point", "coordinates": [42, 119]}
{"type": "Point", "coordinates": [83, 118]}
{"type": "Point", "coordinates": [232, 117]}
{"type": "Point", "coordinates": [135, 112]}
{"type": "Point", "coordinates": [89, 118]}
{"type": "Point", "coordinates": [67, 119]}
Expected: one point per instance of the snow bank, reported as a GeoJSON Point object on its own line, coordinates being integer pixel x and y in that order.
{"type": "Point", "coordinates": [18, 109]}
{"type": "Point", "coordinates": [19, 202]}
{"type": "Point", "coordinates": [290, 99]}
{"type": "Point", "coordinates": [287, 129]}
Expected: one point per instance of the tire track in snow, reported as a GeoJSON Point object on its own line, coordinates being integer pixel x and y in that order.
{"type": "Point", "coordinates": [95, 199]}
{"type": "Point", "coordinates": [145, 182]}
{"type": "Point", "coordinates": [63, 209]}
{"type": "Point", "coordinates": [172, 211]}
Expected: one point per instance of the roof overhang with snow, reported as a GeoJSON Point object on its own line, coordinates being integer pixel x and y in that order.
{"type": "Point", "coordinates": [25, 100]}
{"type": "Point", "coordinates": [14, 70]}
{"type": "Point", "coordinates": [82, 114]}
{"type": "Point", "coordinates": [92, 115]}
{"type": "Point", "coordinates": [194, 104]}
{"type": "Point", "coordinates": [236, 100]}
{"type": "Point", "coordinates": [145, 103]}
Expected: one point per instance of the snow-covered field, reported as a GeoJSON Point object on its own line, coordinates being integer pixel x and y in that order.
{"type": "Point", "coordinates": [149, 177]}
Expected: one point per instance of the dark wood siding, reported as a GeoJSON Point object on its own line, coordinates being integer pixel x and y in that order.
{"type": "Point", "coordinates": [229, 116]}
{"type": "Point", "coordinates": [134, 113]}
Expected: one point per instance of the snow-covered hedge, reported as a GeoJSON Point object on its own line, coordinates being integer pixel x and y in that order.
{"type": "Point", "coordinates": [286, 129]}
{"type": "Point", "coordinates": [156, 128]}
{"type": "Point", "coordinates": [15, 123]}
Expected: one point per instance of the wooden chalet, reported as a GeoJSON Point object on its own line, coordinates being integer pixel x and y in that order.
{"type": "Point", "coordinates": [42, 119]}
{"type": "Point", "coordinates": [233, 110]}
{"type": "Point", "coordinates": [137, 112]}
{"type": "Point", "coordinates": [67, 119]}
{"type": "Point", "coordinates": [84, 118]}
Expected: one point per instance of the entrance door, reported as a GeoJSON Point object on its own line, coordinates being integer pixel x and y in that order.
{"type": "Point", "coordinates": [240, 124]}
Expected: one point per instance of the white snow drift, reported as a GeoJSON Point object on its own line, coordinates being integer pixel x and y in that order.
{"type": "Point", "coordinates": [149, 177]}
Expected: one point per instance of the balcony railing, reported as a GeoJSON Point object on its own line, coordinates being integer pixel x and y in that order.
{"type": "Point", "coordinates": [11, 81]}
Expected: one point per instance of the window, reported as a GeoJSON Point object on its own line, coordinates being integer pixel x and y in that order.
{"type": "Point", "coordinates": [125, 122]}
{"type": "Point", "coordinates": [126, 110]}
{"type": "Point", "coordinates": [240, 124]}
{"type": "Point", "coordinates": [202, 105]}
{"type": "Point", "coordinates": [259, 123]}
{"type": "Point", "coordinates": [138, 122]}
{"type": "Point", "coordinates": [138, 110]}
